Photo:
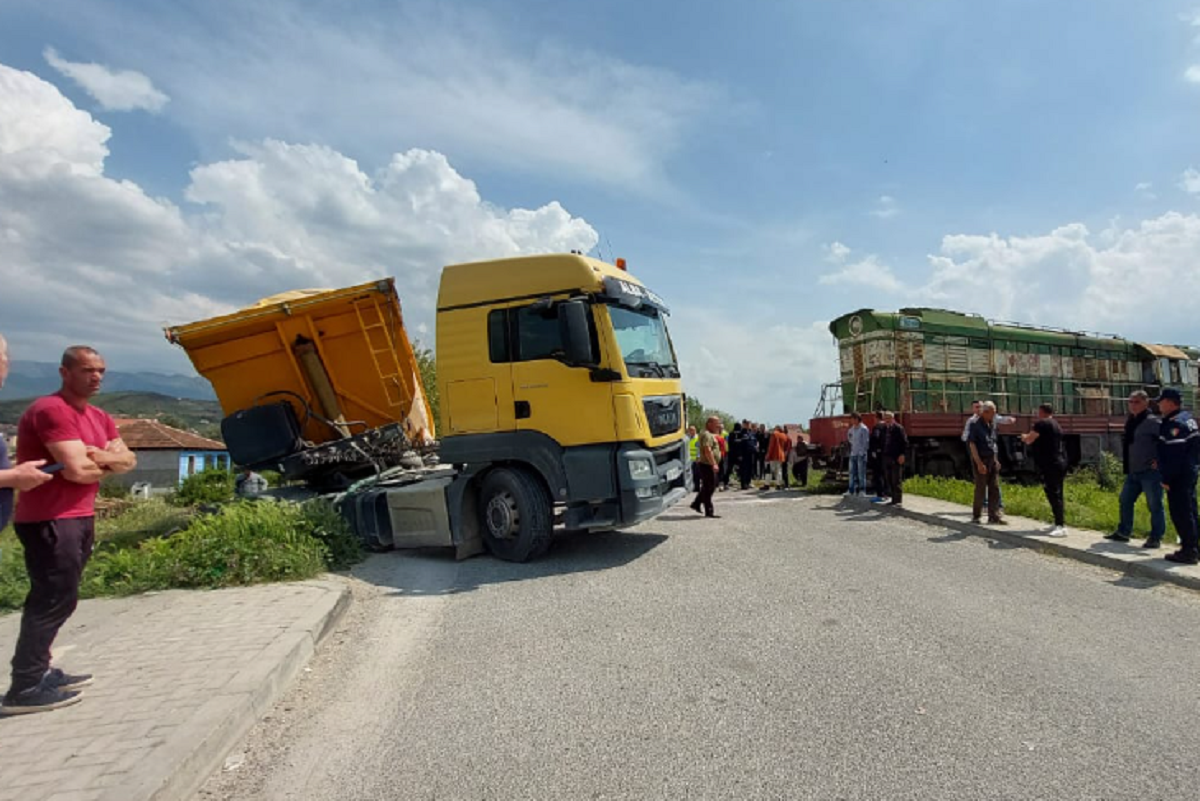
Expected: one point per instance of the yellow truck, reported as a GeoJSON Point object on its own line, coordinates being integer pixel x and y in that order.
{"type": "Point", "coordinates": [561, 403]}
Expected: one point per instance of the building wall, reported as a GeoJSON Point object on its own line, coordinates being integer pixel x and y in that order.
{"type": "Point", "coordinates": [159, 468]}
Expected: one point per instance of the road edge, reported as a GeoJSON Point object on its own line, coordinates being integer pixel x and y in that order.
{"type": "Point", "coordinates": [1099, 559]}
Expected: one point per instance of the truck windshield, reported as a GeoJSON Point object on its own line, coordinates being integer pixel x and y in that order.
{"type": "Point", "coordinates": [644, 342]}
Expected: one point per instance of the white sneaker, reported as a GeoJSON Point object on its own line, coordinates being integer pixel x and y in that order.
{"type": "Point", "coordinates": [1057, 531]}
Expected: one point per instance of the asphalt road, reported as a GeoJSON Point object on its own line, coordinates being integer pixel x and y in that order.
{"type": "Point", "coordinates": [791, 649]}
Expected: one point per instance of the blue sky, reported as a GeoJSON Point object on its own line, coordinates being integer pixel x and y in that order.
{"type": "Point", "coordinates": [764, 166]}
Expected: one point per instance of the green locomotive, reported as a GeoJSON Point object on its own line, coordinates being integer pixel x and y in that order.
{"type": "Point", "coordinates": [928, 365]}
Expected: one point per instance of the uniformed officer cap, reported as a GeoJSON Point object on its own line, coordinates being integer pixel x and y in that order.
{"type": "Point", "coordinates": [1171, 394]}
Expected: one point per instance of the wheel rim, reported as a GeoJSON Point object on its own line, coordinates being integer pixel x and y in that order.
{"type": "Point", "coordinates": [503, 517]}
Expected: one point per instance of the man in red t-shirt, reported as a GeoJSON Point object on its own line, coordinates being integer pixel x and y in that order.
{"type": "Point", "coordinates": [55, 523]}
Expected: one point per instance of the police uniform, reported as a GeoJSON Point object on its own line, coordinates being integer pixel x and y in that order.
{"type": "Point", "coordinates": [1179, 464]}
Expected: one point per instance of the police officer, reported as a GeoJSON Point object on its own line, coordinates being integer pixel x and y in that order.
{"type": "Point", "coordinates": [1179, 465]}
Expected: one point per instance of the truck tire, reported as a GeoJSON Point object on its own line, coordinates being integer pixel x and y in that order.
{"type": "Point", "coordinates": [517, 516]}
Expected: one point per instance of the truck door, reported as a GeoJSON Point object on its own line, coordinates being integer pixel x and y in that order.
{"type": "Point", "coordinates": [549, 396]}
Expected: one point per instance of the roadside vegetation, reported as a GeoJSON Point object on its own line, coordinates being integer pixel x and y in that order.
{"type": "Point", "coordinates": [1090, 494]}
{"type": "Point", "coordinates": [199, 538]}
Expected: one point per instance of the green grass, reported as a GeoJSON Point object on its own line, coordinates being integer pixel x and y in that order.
{"type": "Point", "coordinates": [156, 546]}
{"type": "Point", "coordinates": [1088, 505]}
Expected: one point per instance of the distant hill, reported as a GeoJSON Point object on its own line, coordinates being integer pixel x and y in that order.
{"type": "Point", "coordinates": [201, 416]}
{"type": "Point", "coordinates": [30, 379]}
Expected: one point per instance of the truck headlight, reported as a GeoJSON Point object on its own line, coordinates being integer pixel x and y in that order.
{"type": "Point", "coordinates": [646, 493]}
{"type": "Point", "coordinates": [641, 468]}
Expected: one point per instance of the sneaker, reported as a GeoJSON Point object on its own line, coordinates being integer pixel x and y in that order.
{"type": "Point", "coordinates": [38, 699]}
{"type": "Point", "coordinates": [997, 521]}
{"type": "Point", "coordinates": [1117, 536]}
{"type": "Point", "coordinates": [1184, 557]}
{"type": "Point", "coordinates": [56, 679]}
{"type": "Point", "coordinates": [896, 503]}
{"type": "Point", "coordinates": [1152, 544]}
{"type": "Point", "coordinates": [977, 521]}
{"type": "Point", "coordinates": [880, 499]}
{"type": "Point", "coordinates": [1057, 531]}
{"type": "Point", "coordinates": [695, 507]}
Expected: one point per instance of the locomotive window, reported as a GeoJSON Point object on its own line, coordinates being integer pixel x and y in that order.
{"type": "Point", "coordinates": [1175, 375]}
{"type": "Point", "coordinates": [1022, 347]}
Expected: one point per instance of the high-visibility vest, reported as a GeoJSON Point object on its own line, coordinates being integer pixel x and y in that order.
{"type": "Point", "coordinates": [693, 443]}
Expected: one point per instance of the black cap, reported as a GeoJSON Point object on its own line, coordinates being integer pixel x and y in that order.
{"type": "Point", "coordinates": [1171, 394]}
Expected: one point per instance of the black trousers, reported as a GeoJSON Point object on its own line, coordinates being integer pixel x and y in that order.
{"type": "Point", "coordinates": [706, 485]}
{"type": "Point", "coordinates": [1052, 483]}
{"type": "Point", "coordinates": [746, 471]}
{"type": "Point", "coordinates": [878, 479]}
{"type": "Point", "coordinates": [1181, 501]}
{"type": "Point", "coordinates": [56, 552]}
{"type": "Point", "coordinates": [894, 479]}
{"type": "Point", "coordinates": [800, 472]}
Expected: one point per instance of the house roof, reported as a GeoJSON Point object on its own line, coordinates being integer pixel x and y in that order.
{"type": "Point", "coordinates": [149, 435]}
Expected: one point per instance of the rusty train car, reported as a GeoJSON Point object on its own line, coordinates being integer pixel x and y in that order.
{"type": "Point", "coordinates": [928, 365]}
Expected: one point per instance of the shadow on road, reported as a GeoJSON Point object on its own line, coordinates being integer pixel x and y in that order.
{"type": "Point", "coordinates": [434, 571]}
{"type": "Point", "coordinates": [1136, 583]}
{"type": "Point", "coordinates": [950, 536]}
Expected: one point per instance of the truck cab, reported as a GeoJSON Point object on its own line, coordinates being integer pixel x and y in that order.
{"type": "Point", "coordinates": [562, 405]}
{"type": "Point", "coordinates": [560, 369]}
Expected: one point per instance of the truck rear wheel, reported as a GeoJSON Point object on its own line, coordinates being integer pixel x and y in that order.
{"type": "Point", "coordinates": [517, 515]}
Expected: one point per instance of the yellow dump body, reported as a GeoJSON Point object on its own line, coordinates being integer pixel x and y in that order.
{"type": "Point", "coordinates": [344, 351]}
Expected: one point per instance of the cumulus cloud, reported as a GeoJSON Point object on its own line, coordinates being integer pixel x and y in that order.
{"type": "Point", "coordinates": [114, 90]}
{"type": "Point", "coordinates": [1133, 281]}
{"type": "Point", "coordinates": [419, 73]}
{"type": "Point", "coordinates": [771, 370]}
{"type": "Point", "coordinates": [868, 271]}
{"type": "Point", "coordinates": [1189, 181]}
{"type": "Point", "coordinates": [92, 259]}
{"type": "Point", "coordinates": [885, 208]}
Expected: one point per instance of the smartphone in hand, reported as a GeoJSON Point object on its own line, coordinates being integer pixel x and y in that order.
{"type": "Point", "coordinates": [52, 468]}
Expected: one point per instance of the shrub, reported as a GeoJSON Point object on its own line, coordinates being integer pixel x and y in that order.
{"type": "Point", "coordinates": [208, 486]}
{"type": "Point", "coordinates": [109, 488]}
{"type": "Point", "coordinates": [243, 543]}
{"type": "Point", "coordinates": [342, 547]}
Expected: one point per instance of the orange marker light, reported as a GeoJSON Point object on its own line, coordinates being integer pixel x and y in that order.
{"type": "Point", "coordinates": [620, 264]}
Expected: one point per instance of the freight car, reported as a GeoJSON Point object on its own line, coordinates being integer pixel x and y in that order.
{"type": "Point", "coordinates": [928, 365]}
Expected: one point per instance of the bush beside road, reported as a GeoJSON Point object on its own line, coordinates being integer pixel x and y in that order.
{"type": "Point", "coordinates": [1089, 505]}
{"type": "Point", "coordinates": [154, 545]}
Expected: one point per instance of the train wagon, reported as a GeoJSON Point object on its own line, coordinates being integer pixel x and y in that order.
{"type": "Point", "coordinates": [928, 365]}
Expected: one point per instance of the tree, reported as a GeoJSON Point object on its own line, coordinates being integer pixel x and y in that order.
{"type": "Point", "coordinates": [698, 414]}
{"type": "Point", "coordinates": [427, 366]}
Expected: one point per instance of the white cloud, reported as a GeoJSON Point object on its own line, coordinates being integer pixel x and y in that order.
{"type": "Point", "coordinates": [363, 81]}
{"type": "Point", "coordinates": [91, 259]}
{"type": "Point", "coordinates": [1192, 73]}
{"type": "Point", "coordinates": [114, 90]}
{"type": "Point", "coordinates": [1132, 281]}
{"type": "Point", "coordinates": [1145, 191]}
{"type": "Point", "coordinates": [867, 272]}
{"type": "Point", "coordinates": [1189, 181]}
{"type": "Point", "coordinates": [885, 208]}
{"type": "Point", "coordinates": [771, 371]}
{"type": "Point", "coordinates": [836, 252]}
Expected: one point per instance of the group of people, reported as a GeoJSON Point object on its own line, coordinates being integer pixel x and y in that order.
{"type": "Point", "coordinates": [1161, 453]}
{"type": "Point", "coordinates": [750, 452]}
{"type": "Point", "coordinates": [65, 447]}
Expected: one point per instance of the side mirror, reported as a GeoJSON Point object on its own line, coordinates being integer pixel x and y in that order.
{"type": "Point", "coordinates": [576, 333]}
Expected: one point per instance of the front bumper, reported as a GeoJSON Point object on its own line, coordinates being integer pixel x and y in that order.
{"type": "Point", "coordinates": [645, 494]}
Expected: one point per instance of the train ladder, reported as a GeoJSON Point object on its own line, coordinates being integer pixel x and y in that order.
{"type": "Point", "coordinates": [387, 364]}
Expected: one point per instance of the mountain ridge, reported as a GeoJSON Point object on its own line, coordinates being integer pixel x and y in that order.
{"type": "Point", "coordinates": [28, 379]}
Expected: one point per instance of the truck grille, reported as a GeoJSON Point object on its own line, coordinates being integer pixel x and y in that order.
{"type": "Point", "coordinates": [664, 413]}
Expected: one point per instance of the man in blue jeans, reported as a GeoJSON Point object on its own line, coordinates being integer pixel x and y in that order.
{"type": "Point", "coordinates": [1140, 457]}
{"type": "Point", "coordinates": [859, 438]}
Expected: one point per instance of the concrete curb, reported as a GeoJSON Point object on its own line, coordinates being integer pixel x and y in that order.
{"type": "Point", "coordinates": [198, 748]}
{"type": "Point", "coordinates": [1141, 569]}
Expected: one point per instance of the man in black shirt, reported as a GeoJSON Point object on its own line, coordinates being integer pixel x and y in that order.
{"type": "Point", "coordinates": [1045, 440]}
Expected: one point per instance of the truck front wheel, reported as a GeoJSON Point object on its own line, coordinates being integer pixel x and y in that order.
{"type": "Point", "coordinates": [517, 515]}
